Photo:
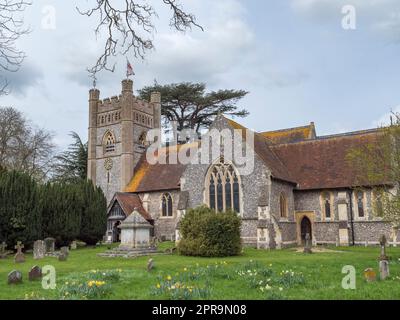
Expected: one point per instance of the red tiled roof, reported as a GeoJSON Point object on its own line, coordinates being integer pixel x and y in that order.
{"type": "Point", "coordinates": [322, 163]}
{"type": "Point", "coordinates": [130, 201]}
{"type": "Point", "coordinates": [291, 135]}
{"type": "Point", "coordinates": [158, 177]}
{"type": "Point", "coordinates": [263, 148]}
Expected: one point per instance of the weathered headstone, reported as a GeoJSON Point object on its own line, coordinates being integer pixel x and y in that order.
{"type": "Point", "coordinates": [50, 245]}
{"type": "Point", "coordinates": [14, 277]}
{"type": "Point", "coordinates": [383, 259]}
{"type": "Point", "coordinates": [73, 245]}
{"type": "Point", "coordinates": [307, 245]}
{"type": "Point", "coordinates": [3, 252]}
{"type": "Point", "coordinates": [19, 256]}
{"type": "Point", "coordinates": [64, 251]}
{"type": "Point", "coordinates": [35, 273]}
{"type": "Point", "coordinates": [369, 275]}
{"type": "Point", "coordinates": [39, 249]}
{"type": "Point", "coordinates": [150, 265]}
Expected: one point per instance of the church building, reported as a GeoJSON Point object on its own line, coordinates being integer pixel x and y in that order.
{"type": "Point", "coordinates": [301, 183]}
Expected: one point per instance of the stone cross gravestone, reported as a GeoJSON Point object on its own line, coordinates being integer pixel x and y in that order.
{"type": "Point", "coordinates": [19, 256]}
{"type": "Point", "coordinates": [39, 249]}
{"type": "Point", "coordinates": [383, 242]}
{"type": "Point", "coordinates": [14, 277]}
{"type": "Point", "coordinates": [50, 245]}
{"type": "Point", "coordinates": [383, 259]}
{"type": "Point", "coordinates": [35, 273]}
{"type": "Point", "coordinates": [307, 245]}
{"type": "Point", "coordinates": [3, 252]}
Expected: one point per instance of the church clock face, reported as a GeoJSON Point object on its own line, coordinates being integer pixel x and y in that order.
{"type": "Point", "coordinates": [108, 164]}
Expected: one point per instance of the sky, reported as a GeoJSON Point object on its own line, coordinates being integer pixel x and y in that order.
{"type": "Point", "coordinates": [293, 56]}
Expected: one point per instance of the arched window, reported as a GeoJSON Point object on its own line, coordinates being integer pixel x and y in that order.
{"type": "Point", "coordinates": [166, 205]}
{"type": "Point", "coordinates": [360, 204]}
{"type": "Point", "coordinates": [109, 142]}
{"type": "Point", "coordinates": [283, 205]}
{"type": "Point", "coordinates": [326, 205]}
{"type": "Point", "coordinates": [223, 187]}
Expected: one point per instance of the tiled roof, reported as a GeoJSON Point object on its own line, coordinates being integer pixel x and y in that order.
{"type": "Point", "coordinates": [159, 176]}
{"type": "Point", "coordinates": [322, 163]}
{"type": "Point", "coordinates": [262, 147]}
{"type": "Point", "coordinates": [130, 201]}
{"type": "Point", "coordinates": [291, 135]}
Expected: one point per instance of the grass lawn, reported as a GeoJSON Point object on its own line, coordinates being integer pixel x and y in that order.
{"type": "Point", "coordinates": [254, 275]}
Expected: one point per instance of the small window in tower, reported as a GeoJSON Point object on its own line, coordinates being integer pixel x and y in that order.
{"type": "Point", "coordinates": [109, 142]}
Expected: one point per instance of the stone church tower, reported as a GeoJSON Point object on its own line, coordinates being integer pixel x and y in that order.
{"type": "Point", "coordinates": [117, 134]}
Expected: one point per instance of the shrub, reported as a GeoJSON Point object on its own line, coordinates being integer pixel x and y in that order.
{"type": "Point", "coordinates": [208, 234]}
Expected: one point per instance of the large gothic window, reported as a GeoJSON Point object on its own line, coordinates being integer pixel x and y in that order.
{"type": "Point", "coordinates": [223, 187]}
{"type": "Point", "coordinates": [166, 205]}
{"type": "Point", "coordinates": [109, 142]}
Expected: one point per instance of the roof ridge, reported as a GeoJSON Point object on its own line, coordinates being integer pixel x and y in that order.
{"type": "Point", "coordinates": [288, 129]}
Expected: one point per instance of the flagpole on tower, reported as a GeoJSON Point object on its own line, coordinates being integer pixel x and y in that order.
{"type": "Point", "coordinates": [129, 69]}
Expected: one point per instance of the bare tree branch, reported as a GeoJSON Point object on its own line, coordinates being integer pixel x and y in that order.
{"type": "Point", "coordinates": [129, 28]}
{"type": "Point", "coordinates": [11, 29]}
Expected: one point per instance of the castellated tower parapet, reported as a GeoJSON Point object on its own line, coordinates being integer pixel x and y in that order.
{"type": "Point", "coordinates": [117, 133]}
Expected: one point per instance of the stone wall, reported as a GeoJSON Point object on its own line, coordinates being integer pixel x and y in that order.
{"type": "Point", "coordinates": [164, 227]}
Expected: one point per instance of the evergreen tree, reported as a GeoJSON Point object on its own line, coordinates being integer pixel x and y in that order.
{"type": "Point", "coordinates": [93, 218]}
{"type": "Point", "coordinates": [20, 209]}
{"type": "Point", "coordinates": [191, 107]}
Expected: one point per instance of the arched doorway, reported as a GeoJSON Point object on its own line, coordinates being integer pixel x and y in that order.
{"type": "Point", "coordinates": [305, 227]}
{"type": "Point", "coordinates": [116, 232]}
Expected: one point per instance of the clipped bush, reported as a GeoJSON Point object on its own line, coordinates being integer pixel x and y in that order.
{"type": "Point", "coordinates": [206, 233]}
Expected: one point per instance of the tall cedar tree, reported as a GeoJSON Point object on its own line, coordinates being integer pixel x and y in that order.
{"type": "Point", "coordinates": [20, 209]}
{"type": "Point", "coordinates": [191, 107]}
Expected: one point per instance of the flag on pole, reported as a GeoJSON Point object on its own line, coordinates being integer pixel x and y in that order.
{"type": "Point", "coordinates": [129, 69]}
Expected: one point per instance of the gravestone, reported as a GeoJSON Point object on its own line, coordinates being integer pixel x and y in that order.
{"type": "Point", "coordinates": [307, 245]}
{"type": "Point", "coordinates": [19, 256]}
{"type": "Point", "coordinates": [62, 257]}
{"type": "Point", "coordinates": [3, 252]}
{"type": "Point", "coordinates": [35, 273]}
{"type": "Point", "coordinates": [14, 277]}
{"type": "Point", "coordinates": [369, 275]}
{"type": "Point", "coordinates": [73, 245]}
{"type": "Point", "coordinates": [383, 259]}
{"type": "Point", "coordinates": [50, 245]}
{"type": "Point", "coordinates": [39, 249]}
{"type": "Point", "coordinates": [383, 242]}
{"type": "Point", "coordinates": [64, 251]}
{"type": "Point", "coordinates": [150, 265]}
